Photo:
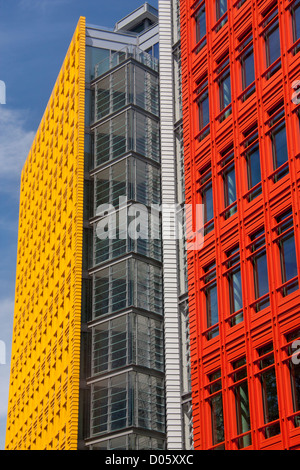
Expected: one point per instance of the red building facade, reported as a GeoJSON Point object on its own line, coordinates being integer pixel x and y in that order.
{"type": "Point", "coordinates": [240, 73]}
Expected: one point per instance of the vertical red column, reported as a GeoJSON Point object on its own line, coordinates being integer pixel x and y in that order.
{"type": "Point", "coordinates": [241, 107]}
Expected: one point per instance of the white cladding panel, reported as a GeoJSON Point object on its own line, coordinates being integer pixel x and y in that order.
{"type": "Point", "coordinates": [168, 175]}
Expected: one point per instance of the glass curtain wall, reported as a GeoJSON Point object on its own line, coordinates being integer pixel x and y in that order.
{"type": "Point", "coordinates": [127, 380]}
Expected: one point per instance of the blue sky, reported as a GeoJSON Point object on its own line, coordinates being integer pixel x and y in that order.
{"type": "Point", "coordinates": [34, 38]}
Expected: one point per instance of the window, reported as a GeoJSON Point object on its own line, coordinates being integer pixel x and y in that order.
{"type": "Point", "coordinates": [110, 405]}
{"type": "Point", "coordinates": [272, 41]}
{"type": "Point", "coordinates": [252, 157]}
{"type": "Point", "coordinates": [246, 58]}
{"type": "Point", "coordinates": [295, 13]}
{"type": "Point", "coordinates": [278, 144]}
{"type": "Point", "coordinates": [214, 390]}
{"type": "Point", "coordinates": [260, 272]}
{"type": "Point", "coordinates": [224, 84]}
{"type": "Point", "coordinates": [200, 21]}
{"type": "Point", "coordinates": [287, 252]}
{"type": "Point", "coordinates": [127, 283]}
{"type": "Point", "coordinates": [240, 4]}
{"type": "Point", "coordinates": [203, 109]}
{"type": "Point", "coordinates": [267, 380]}
{"type": "Point", "coordinates": [221, 10]}
{"type": "Point", "coordinates": [234, 280]}
{"type": "Point", "coordinates": [127, 399]}
{"type": "Point", "coordinates": [211, 300]}
{"type": "Point", "coordinates": [229, 183]}
{"type": "Point", "coordinates": [206, 193]}
{"type": "Point", "coordinates": [292, 351]}
{"type": "Point", "coordinates": [241, 397]}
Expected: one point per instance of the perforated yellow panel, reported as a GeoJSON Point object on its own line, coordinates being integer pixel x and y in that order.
{"type": "Point", "coordinates": [44, 382]}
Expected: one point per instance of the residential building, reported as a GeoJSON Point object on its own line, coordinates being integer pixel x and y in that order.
{"type": "Point", "coordinates": [96, 356]}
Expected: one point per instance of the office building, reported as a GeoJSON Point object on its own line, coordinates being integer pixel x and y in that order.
{"type": "Point", "coordinates": [240, 74]}
{"type": "Point", "coordinates": [96, 353]}
{"type": "Point", "coordinates": [126, 335]}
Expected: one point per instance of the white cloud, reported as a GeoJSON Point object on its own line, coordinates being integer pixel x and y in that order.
{"type": "Point", "coordinates": [15, 142]}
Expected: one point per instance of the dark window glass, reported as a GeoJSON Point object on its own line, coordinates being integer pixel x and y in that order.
{"type": "Point", "coordinates": [287, 251]}
{"type": "Point", "coordinates": [260, 270]}
{"type": "Point", "coordinates": [269, 390]}
{"type": "Point", "coordinates": [253, 166]}
{"type": "Point", "coordinates": [240, 4]}
{"type": "Point", "coordinates": [235, 285]}
{"type": "Point", "coordinates": [221, 9]}
{"type": "Point", "coordinates": [211, 296]}
{"type": "Point", "coordinates": [200, 19]}
{"type": "Point", "coordinates": [279, 146]}
{"type": "Point", "coordinates": [225, 90]}
{"type": "Point", "coordinates": [242, 402]}
{"type": "Point", "coordinates": [252, 157]}
{"type": "Point", "coordinates": [272, 42]}
{"type": "Point", "coordinates": [247, 62]}
{"type": "Point", "coordinates": [248, 73]}
{"type": "Point", "coordinates": [216, 406]}
{"type": "Point", "coordinates": [295, 10]}
{"type": "Point", "coordinates": [203, 108]}
{"type": "Point", "coordinates": [278, 142]}
{"type": "Point", "coordinates": [229, 184]}
{"type": "Point", "coordinates": [156, 50]}
{"type": "Point", "coordinates": [206, 193]}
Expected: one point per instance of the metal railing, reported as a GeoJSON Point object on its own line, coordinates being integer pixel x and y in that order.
{"type": "Point", "coordinates": [127, 52]}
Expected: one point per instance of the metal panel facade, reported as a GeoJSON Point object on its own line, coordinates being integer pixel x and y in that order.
{"type": "Point", "coordinates": [170, 267]}
{"type": "Point", "coordinates": [44, 382]}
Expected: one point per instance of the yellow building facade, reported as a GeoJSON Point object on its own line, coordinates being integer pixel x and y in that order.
{"type": "Point", "coordinates": [45, 365]}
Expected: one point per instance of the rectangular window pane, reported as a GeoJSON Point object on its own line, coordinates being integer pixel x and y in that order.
{"type": "Point", "coordinates": [296, 21]}
{"type": "Point", "coordinates": [269, 393]}
{"type": "Point", "coordinates": [221, 8]}
{"type": "Point", "coordinates": [260, 275]}
{"type": "Point", "coordinates": [235, 286]}
{"type": "Point", "coordinates": [212, 305]}
{"type": "Point", "coordinates": [200, 24]}
{"type": "Point", "coordinates": [248, 74]}
{"type": "Point", "coordinates": [260, 271]}
{"type": "Point", "coordinates": [217, 419]}
{"type": "Point", "coordinates": [225, 91]}
{"type": "Point", "coordinates": [211, 298]}
{"type": "Point", "coordinates": [203, 106]}
{"type": "Point", "coordinates": [288, 261]}
{"type": "Point", "coordinates": [229, 187]}
{"type": "Point", "coordinates": [253, 167]}
{"type": "Point", "coordinates": [272, 44]}
{"type": "Point", "coordinates": [279, 146]}
{"type": "Point", "coordinates": [207, 200]}
{"type": "Point", "coordinates": [242, 408]}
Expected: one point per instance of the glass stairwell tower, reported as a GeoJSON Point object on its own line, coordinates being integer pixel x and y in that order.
{"type": "Point", "coordinates": [123, 277]}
